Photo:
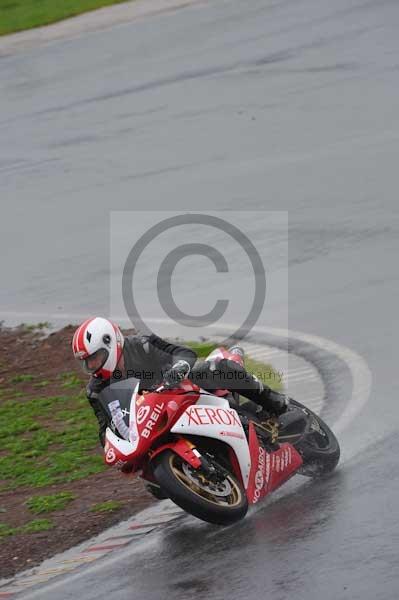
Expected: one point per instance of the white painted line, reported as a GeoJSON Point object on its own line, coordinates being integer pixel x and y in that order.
{"type": "Point", "coordinates": [302, 378]}
{"type": "Point", "coordinates": [268, 354]}
{"type": "Point", "coordinates": [301, 371]}
{"type": "Point", "coordinates": [263, 349]}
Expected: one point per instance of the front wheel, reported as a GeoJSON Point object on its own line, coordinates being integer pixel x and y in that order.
{"type": "Point", "coordinates": [221, 501]}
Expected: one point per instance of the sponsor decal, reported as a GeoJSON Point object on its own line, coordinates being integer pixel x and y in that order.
{"type": "Point", "coordinates": [152, 420]}
{"type": "Point", "coordinates": [117, 419]}
{"type": "Point", "coordinates": [278, 464]}
{"type": "Point", "coordinates": [110, 456]}
{"type": "Point", "coordinates": [259, 480]}
{"type": "Point", "coordinates": [233, 434]}
{"type": "Point", "coordinates": [267, 473]}
{"type": "Point", "coordinates": [259, 475]}
{"type": "Point", "coordinates": [198, 415]}
{"type": "Point", "coordinates": [142, 414]}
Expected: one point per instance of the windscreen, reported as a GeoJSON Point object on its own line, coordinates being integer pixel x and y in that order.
{"type": "Point", "coordinates": [116, 399]}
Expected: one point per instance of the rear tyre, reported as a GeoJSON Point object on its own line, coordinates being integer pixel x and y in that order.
{"type": "Point", "coordinates": [319, 448]}
{"type": "Point", "coordinates": [222, 502]}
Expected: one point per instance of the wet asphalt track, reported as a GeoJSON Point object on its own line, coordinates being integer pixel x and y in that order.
{"type": "Point", "coordinates": [260, 105]}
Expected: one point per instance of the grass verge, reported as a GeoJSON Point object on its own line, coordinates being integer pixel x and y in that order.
{"type": "Point", "coordinates": [107, 506]}
{"type": "Point", "coordinates": [34, 526]}
{"type": "Point", "coordinates": [43, 504]}
{"type": "Point", "coordinates": [17, 15]}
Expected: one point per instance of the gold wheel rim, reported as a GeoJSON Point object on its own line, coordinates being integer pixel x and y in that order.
{"type": "Point", "coordinates": [232, 500]}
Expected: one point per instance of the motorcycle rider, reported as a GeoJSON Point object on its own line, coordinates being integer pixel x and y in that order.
{"type": "Point", "coordinates": [107, 356]}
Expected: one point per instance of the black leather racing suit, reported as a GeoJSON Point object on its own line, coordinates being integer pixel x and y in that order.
{"type": "Point", "coordinates": [147, 358]}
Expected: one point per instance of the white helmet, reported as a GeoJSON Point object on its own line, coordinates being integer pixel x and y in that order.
{"type": "Point", "coordinates": [98, 345]}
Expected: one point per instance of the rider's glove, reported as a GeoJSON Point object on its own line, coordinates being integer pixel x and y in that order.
{"type": "Point", "coordinates": [278, 403]}
{"type": "Point", "coordinates": [177, 373]}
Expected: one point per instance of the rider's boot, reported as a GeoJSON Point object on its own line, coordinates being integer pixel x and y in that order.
{"type": "Point", "coordinates": [273, 402]}
{"type": "Point", "coordinates": [268, 399]}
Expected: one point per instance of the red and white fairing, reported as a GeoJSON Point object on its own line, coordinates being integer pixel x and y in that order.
{"type": "Point", "coordinates": [119, 451]}
{"type": "Point", "coordinates": [190, 411]}
{"type": "Point", "coordinates": [214, 418]}
{"type": "Point", "coordinates": [269, 470]}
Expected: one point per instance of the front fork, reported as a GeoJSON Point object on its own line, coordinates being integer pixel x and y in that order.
{"type": "Point", "coordinates": [189, 453]}
{"type": "Point", "coordinates": [183, 448]}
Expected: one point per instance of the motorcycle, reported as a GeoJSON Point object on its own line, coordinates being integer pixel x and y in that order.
{"type": "Point", "coordinates": [209, 455]}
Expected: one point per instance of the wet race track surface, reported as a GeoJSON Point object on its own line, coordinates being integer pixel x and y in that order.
{"type": "Point", "coordinates": [281, 106]}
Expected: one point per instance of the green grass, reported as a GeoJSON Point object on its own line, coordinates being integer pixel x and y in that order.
{"type": "Point", "coordinates": [70, 380]}
{"type": "Point", "coordinates": [42, 384]}
{"type": "Point", "coordinates": [6, 530]}
{"type": "Point", "coordinates": [32, 527]}
{"type": "Point", "coordinates": [265, 373]}
{"type": "Point", "coordinates": [42, 324]}
{"type": "Point", "coordinates": [36, 526]}
{"type": "Point", "coordinates": [107, 506]}
{"type": "Point", "coordinates": [43, 504]}
{"type": "Point", "coordinates": [202, 349]}
{"type": "Point", "coordinates": [47, 440]}
{"type": "Point", "coordinates": [16, 15]}
{"type": "Point", "coordinates": [24, 377]}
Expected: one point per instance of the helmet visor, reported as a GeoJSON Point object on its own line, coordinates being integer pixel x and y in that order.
{"type": "Point", "coordinates": [95, 361]}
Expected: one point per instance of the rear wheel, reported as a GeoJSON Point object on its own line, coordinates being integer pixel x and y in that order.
{"type": "Point", "coordinates": [319, 447]}
{"type": "Point", "coordinates": [220, 500]}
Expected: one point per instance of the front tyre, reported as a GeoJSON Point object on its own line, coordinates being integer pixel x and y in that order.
{"type": "Point", "coordinates": [155, 490]}
{"type": "Point", "coordinates": [221, 502]}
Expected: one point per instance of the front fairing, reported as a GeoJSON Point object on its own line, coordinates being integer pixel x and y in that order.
{"type": "Point", "coordinates": [116, 400]}
{"type": "Point", "coordinates": [141, 419]}
{"type": "Point", "coordinates": [212, 417]}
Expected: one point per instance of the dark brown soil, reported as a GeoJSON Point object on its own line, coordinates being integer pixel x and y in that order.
{"type": "Point", "coordinates": [24, 351]}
